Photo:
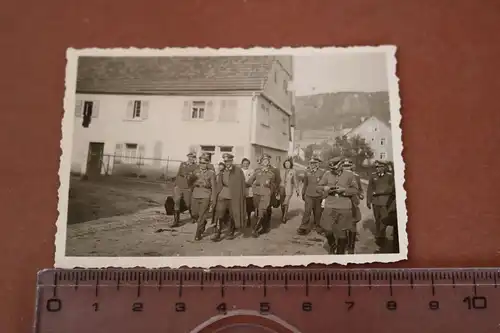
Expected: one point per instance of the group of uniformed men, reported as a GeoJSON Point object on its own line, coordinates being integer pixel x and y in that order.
{"type": "Point", "coordinates": [333, 197]}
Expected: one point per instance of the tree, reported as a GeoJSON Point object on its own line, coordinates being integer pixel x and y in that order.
{"type": "Point", "coordinates": [354, 148]}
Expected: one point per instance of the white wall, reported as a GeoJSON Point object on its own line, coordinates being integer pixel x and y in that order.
{"type": "Point", "coordinates": [165, 132]}
{"type": "Point", "coordinates": [272, 129]}
{"type": "Point", "coordinates": [378, 135]}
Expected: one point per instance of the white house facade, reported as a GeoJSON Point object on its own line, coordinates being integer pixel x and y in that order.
{"type": "Point", "coordinates": [148, 128]}
{"type": "Point", "coordinates": [378, 135]}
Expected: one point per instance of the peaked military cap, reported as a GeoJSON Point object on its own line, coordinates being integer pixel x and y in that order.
{"type": "Point", "coordinates": [204, 159]}
{"type": "Point", "coordinates": [315, 159]}
{"type": "Point", "coordinates": [205, 155]}
{"type": "Point", "coordinates": [191, 154]}
{"type": "Point", "coordinates": [228, 157]}
{"type": "Point", "coordinates": [336, 160]}
{"type": "Point", "coordinates": [380, 163]}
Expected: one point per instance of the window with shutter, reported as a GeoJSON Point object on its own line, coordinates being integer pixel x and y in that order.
{"type": "Point", "coordinates": [137, 110]}
{"type": "Point", "coordinates": [78, 108]}
{"type": "Point", "coordinates": [198, 109]}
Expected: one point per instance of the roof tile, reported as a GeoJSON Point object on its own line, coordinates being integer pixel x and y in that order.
{"type": "Point", "coordinates": [167, 75]}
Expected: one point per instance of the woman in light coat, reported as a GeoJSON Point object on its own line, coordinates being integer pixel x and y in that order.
{"type": "Point", "coordinates": [288, 186]}
{"type": "Point", "coordinates": [245, 166]}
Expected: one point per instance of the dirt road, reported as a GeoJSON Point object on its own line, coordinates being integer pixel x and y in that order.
{"type": "Point", "coordinates": [148, 233]}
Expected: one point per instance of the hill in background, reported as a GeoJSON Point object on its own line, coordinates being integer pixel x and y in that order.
{"type": "Point", "coordinates": [340, 110]}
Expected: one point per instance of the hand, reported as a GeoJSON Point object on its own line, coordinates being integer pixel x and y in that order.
{"type": "Point", "coordinates": [326, 188]}
{"type": "Point", "coordinates": [361, 196]}
{"type": "Point", "coordinates": [369, 205]}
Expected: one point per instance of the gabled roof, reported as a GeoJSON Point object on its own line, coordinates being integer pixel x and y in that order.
{"type": "Point", "coordinates": [172, 75]}
{"type": "Point", "coordinates": [366, 120]}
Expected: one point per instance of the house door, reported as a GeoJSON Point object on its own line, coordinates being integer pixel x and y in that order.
{"type": "Point", "coordinates": [94, 160]}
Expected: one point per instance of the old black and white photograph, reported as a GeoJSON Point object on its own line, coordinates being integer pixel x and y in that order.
{"type": "Point", "coordinates": [231, 157]}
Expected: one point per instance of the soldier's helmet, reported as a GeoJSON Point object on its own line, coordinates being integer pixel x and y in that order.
{"type": "Point", "coordinates": [191, 154]}
{"type": "Point", "coordinates": [227, 157]}
{"type": "Point", "coordinates": [380, 163]}
{"type": "Point", "coordinates": [336, 162]}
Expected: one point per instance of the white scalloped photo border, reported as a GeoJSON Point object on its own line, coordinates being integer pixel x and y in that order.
{"type": "Point", "coordinates": [63, 261]}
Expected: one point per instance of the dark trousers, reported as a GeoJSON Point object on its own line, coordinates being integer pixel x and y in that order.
{"type": "Point", "coordinates": [312, 204]}
{"type": "Point", "coordinates": [199, 209]}
{"type": "Point", "coordinates": [224, 205]}
{"type": "Point", "coordinates": [182, 194]}
{"type": "Point", "coordinates": [379, 213]}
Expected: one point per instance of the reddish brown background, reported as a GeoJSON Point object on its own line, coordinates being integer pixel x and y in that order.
{"type": "Point", "coordinates": [449, 70]}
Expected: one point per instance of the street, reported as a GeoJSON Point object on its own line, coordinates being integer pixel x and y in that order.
{"type": "Point", "coordinates": [148, 233]}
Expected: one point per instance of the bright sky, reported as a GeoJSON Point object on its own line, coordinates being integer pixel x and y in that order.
{"type": "Point", "coordinates": [364, 72]}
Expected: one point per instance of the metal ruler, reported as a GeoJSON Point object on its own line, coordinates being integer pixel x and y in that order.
{"type": "Point", "coordinates": [268, 300]}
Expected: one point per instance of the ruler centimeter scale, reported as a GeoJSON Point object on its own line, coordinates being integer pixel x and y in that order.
{"type": "Point", "coordinates": [268, 300]}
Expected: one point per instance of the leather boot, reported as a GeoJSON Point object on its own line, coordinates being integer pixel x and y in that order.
{"type": "Point", "coordinates": [351, 242]}
{"type": "Point", "coordinates": [200, 229]}
{"type": "Point", "coordinates": [284, 210]}
{"type": "Point", "coordinates": [177, 217]}
{"type": "Point", "coordinates": [218, 231]}
{"type": "Point", "coordinates": [332, 245]}
{"type": "Point", "coordinates": [341, 245]}
{"type": "Point", "coordinates": [380, 241]}
{"type": "Point", "coordinates": [257, 228]}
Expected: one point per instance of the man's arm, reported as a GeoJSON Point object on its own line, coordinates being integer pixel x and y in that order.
{"type": "Point", "coordinates": [322, 184]}
{"type": "Point", "coordinates": [304, 184]}
{"type": "Point", "coordinates": [353, 188]}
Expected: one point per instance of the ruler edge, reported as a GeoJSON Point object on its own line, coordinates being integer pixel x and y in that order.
{"type": "Point", "coordinates": [52, 272]}
{"type": "Point", "coordinates": [49, 271]}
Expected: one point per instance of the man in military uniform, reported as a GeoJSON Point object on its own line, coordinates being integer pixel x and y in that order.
{"type": "Point", "coordinates": [264, 184]}
{"type": "Point", "coordinates": [336, 220]}
{"type": "Point", "coordinates": [311, 197]}
{"type": "Point", "coordinates": [182, 186]}
{"type": "Point", "coordinates": [230, 196]}
{"type": "Point", "coordinates": [203, 195]}
{"type": "Point", "coordinates": [356, 212]}
{"type": "Point", "coordinates": [380, 189]}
